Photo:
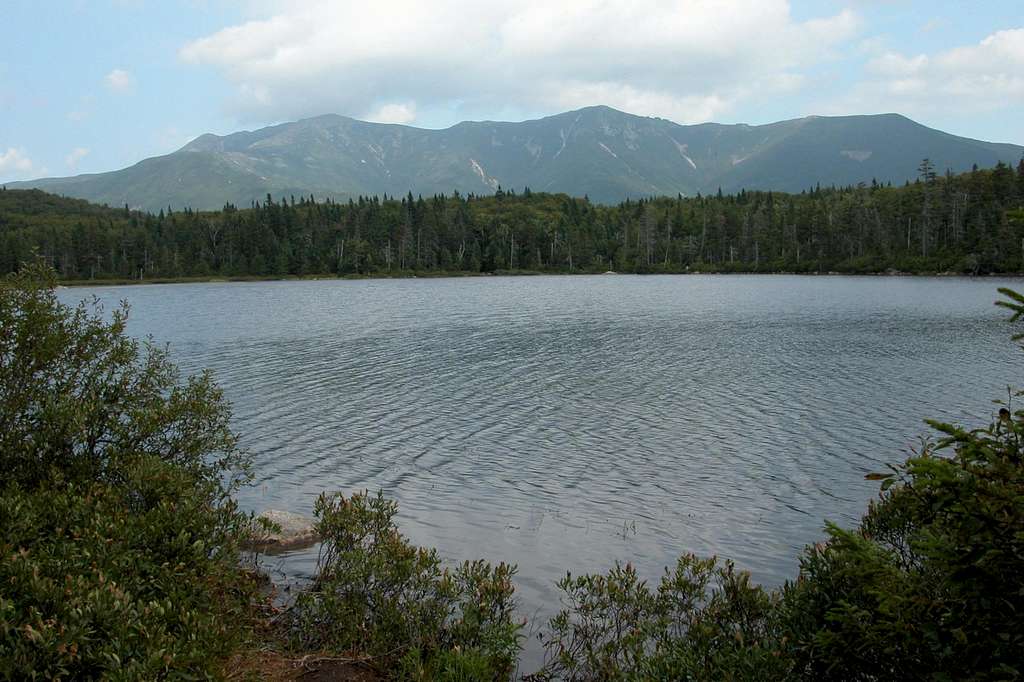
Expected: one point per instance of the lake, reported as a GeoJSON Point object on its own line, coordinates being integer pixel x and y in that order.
{"type": "Point", "coordinates": [565, 423]}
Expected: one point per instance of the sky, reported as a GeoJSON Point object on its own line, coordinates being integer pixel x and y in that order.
{"type": "Point", "coordinates": [95, 85]}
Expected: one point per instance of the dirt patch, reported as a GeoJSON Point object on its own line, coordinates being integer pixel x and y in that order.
{"type": "Point", "coordinates": [330, 671]}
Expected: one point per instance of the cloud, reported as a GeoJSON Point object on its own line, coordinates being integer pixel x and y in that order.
{"type": "Point", "coordinates": [119, 80]}
{"type": "Point", "coordinates": [394, 113]}
{"type": "Point", "coordinates": [986, 76]}
{"type": "Point", "coordinates": [16, 165]}
{"type": "Point", "coordinates": [76, 155]}
{"type": "Point", "coordinates": [690, 60]}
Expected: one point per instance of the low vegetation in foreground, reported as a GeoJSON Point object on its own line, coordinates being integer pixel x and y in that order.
{"type": "Point", "coordinates": [118, 534]}
{"type": "Point", "coordinates": [119, 553]}
{"type": "Point", "coordinates": [396, 604]}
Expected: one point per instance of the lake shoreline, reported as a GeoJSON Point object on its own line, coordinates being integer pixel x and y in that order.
{"type": "Point", "coordinates": [456, 274]}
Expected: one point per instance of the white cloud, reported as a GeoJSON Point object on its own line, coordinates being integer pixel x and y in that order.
{"type": "Point", "coordinates": [402, 112]}
{"type": "Point", "coordinates": [689, 60]}
{"type": "Point", "coordinates": [119, 80]}
{"type": "Point", "coordinates": [16, 165]}
{"type": "Point", "coordinates": [987, 76]}
{"type": "Point", "coordinates": [76, 155]}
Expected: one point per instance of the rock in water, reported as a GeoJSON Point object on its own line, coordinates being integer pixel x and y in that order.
{"type": "Point", "coordinates": [296, 531]}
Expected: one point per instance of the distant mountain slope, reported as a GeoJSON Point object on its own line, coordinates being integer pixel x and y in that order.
{"type": "Point", "coordinates": [597, 151]}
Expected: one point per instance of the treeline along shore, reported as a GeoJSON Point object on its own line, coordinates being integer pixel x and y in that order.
{"type": "Point", "coordinates": [971, 223]}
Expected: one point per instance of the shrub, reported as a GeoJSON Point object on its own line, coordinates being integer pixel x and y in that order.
{"type": "Point", "coordinates": [94, 583]}
{"type": "Point", "coordinates": [118, 536]}
{"type": "Point", "coordinates": [377, 595]}
{"type": "Point", "coordinates": [929, 585]}
{"type": "Point", "coordinates": [80, 397]}
{"type": "Point", "coordinates": [705, 621]}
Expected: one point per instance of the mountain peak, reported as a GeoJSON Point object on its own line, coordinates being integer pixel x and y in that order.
{"type": "Point", "coordinates": [601, 109]}
{"type": "Point", "coordinates": [207, 142]}
{"type": "Point", "coordinates": [597, 111]}
{"type": "Point", "coordinates": [597, 151]}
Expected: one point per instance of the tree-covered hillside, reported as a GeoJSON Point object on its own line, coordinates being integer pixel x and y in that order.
{"type": "Point", "coordinates": [972, 223]}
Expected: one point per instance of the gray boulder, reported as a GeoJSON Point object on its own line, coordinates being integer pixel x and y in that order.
{"type": "Point", "coordinates": [296, 531]}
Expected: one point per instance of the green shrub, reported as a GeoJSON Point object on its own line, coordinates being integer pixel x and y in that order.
{"type": "Point", "coordinates": [125, 582]}
{"type": "Point", "coordinates": [378, 595]}
{"type": "Point", "coordinates": [118, 535]}
{"type": "Point", "coordinates": [80, 397]}
{"type": "Point", "coordinates": [930, 584]}
{"type": "Point", "coordinates": [447, 665]}
{"type": "Point", "coordinates": [704, 621]}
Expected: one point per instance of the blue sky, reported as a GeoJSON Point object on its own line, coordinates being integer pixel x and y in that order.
{"type": "Point", "coordinates": [89, 86]}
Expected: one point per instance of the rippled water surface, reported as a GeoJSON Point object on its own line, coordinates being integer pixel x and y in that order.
{"type": "Point", "coordinates": [564, 423]}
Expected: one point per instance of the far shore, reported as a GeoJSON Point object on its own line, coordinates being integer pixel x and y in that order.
{"type": "Point", "coordinates": [433, 274]}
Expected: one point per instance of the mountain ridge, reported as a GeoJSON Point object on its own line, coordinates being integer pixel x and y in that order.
{"type": "Point", "coordinates": [595, 151]}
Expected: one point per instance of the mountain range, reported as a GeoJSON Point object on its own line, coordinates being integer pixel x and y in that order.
{"type": "Point", "coordinates": [597, 151]}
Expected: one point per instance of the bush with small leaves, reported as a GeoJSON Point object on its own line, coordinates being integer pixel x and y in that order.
{"type": "Point", "coordinates": [96, 584]}
{"type": "Point", "coordinates": [929, 585]}
{"type": "Point", "coordinates": [704, 621]}
{"type": "Point", "coordinates": [81, 397]}
{"type": "Point", "coordinates": [377, 595]}
{"type": "Point", "coordinates": [118, 534]}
